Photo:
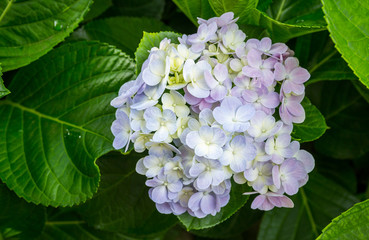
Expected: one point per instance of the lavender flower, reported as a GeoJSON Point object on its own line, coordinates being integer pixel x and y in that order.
{"type": "Point", "coordinates": [233, 115]}
{"type": "Point", "coordinates": [164, 123]}
{"type": "Point", "coordinates": [207, 142]}
{"type": "Point", "coordinates": [205, 110]}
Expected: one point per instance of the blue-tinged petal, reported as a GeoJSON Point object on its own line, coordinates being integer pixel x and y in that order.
{"type": "Point", "coordinates": [204, 180]}
{"type": "Point", "coordinates": [197, 169]}
{"type": "Point", "coordinates": [208, 204]}
{"type": "Point", "coordinates": [160, 194]}
{"type": "Point", "coordinates": [194, 201]}
{"type": "Point", "coordinates": [164, 208]}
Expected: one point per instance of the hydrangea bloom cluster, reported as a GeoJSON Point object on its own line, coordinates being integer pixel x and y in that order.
{"type": "Point", "coordinates": [208, 109]}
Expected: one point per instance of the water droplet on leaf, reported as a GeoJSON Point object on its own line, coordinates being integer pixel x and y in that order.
{"type": "Point", "coordinates": [58, 25]}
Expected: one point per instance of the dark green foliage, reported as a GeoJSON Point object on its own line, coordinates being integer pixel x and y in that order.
{"type": "Point", "coordinates": [55, 117]}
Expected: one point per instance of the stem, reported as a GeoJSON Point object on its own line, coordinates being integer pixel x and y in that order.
{"type": "Point", "coordinates": [10, 2]}
{"type": "Point", "coordinates": [322, 62]}
{"type": "Point", "coordinates": [65, 222]}
{"type": "Point", "coordinates": [280, 10]}
{"type": "Point", "coordinates": [308, 210]}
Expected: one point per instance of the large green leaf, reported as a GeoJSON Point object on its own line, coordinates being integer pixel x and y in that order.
{"type": "Point", "coordinates": [3, 90]}
{"type": "Point", "coordinates": [66, 224]}
{"type": "Point", "coordinates": [29, 29]}
{"type": "Point", "coordinates": [122, 203]}
{"type": "Point", "coordinates": [66, 230]}
{"type": "Point", "coordinates": [282, 19]}
{"type": "Point", "coordinates": [123, 32]}
{"type": "Point", "coordinates": [195, 8]}
{"type": "Point", "coordinates": [317, 53]}
{"type": "Point", "coordinates": [315, 205]}
{"type": "Point", "coordinates": [148, 41]}
{"type": "Point", "coordinates": [305, 13]}
{"type": "Point", "coordinates": [341, 172]}
{"type": "Point", "coordinates": [16, 215]}
{"type": "Point", "coordinates": [238, 7]}
{"type": "Point", "coordinates": [237, 200]}
{"type": "Point", "coordinates": [347, 115]}
{"type": "Point", "coordinates": [348, 24]}
{"type": "Point", "coordinates": [352, 224]}
{"type": "Point", "coordinates": [314, 125]}
{"type": "Point", "coordinates": [57, 122]}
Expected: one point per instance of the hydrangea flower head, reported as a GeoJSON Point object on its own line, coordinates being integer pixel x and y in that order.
{"type": "Point", "coordinates": [208, 109]}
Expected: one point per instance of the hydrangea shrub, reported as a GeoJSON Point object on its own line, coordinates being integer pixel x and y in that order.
{"type": "Point", "coordinates": [213, 107]}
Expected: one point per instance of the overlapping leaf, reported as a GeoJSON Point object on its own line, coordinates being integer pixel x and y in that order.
{"type": "Point", "coordinates": [3, 90]}
{"type": "Point", "coordinates": [347, 116]}
{"type": "Point", "coordinates": [315, 205]}
{"type": "Point", "coordinates": [57, 122]}
{"type": "Point", "coordinates": [348, 25]}
{"type": "Point", "coordinates": [66, 224]}
{"type": "Point", "coordinates": [122, 203]}
{"type": "Point", "coordinates": [283, 19]}
{"type": "Point", "coordinates": [314, 125]}
{"type": "Point", "coordinates": [237, 200]}
{"type": "Point", "coordinates": [123, 32]}
{"type": "Point", "coordinates": [25, 220]}
{"type": "Point", "coordinates": [352, 224]}
{"type": "Point", "coordinates": [29, 29]}
{"type": "Point", "coordinates": [317, 53]}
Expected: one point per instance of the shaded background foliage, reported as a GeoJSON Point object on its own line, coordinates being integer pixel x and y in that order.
{"type": "Point", "coordinates": [63, 61]}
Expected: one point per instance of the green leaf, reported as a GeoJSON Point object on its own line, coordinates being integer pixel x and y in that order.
{"type": "Point", "coordinates": [283, 19]}
{"type": "Point", "coordinates": [66, 224]}
{"type": "Point", "coordinates": [238, 7]}
{"type": "Point", "coordinates": [233, 227]}
{"type": "Point", "coordinates": [123, 32]}
{"type": "Point", "coordinates": [3, 90]}
{"type": "Point", "coordinates": [148, 41]}
{"type": "Point", "coordinates": [347, 115]}
{"type": "Point", "coordinates": [305, 13]}
{"type": "Point", "coordinates": [122, 203]}
{"type": "Point", "coordinates": [140, 8]}
{"type": "Point", "coordinates": [29, 29]}
{"type": "Point", "coordinates": [362, 89]}
{"type": "Point", "coordinates": [314, 125]}
{"type": "Point", "coordinates": [341, 172]}
{"type": "Point", "coordinates": [264, 5]}
{"type": "Point", "coordinates": [315, 205]}
{"type": "Point", "coordinates": [76, 231]}
{"type": "Point", "coordinates": [97, 8]}
{"type": "Point", "coordinates": [26, 219]}
{"type": "Point", "coordinates": [348, 24]}
{"type": "Point", "coordinates": [352, 224]}
{"type": "Point", "coordinates": [237, 200]}
{"type": "Point", "coordinates": [317, 53]}
{"type": "Point", "coordinates": [57, 122]}
{"type": "Point", "coordinates": [195, 8]}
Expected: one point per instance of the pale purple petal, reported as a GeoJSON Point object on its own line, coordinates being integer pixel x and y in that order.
{"type": "Point", "coordinates": [279, 71]}
{"type": "Point", "coordinates": [208, 204]}
{"type": "Point", "coordinates": [160, 194]}
{"type": "Point", "coordinates": [204, 180]}
{"type": "Point", "coordinates": [197, 169]}
{"type": "Point", "coordinates": [164, 208]}
{"type": "Point", "coordinates": [299, 75]}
